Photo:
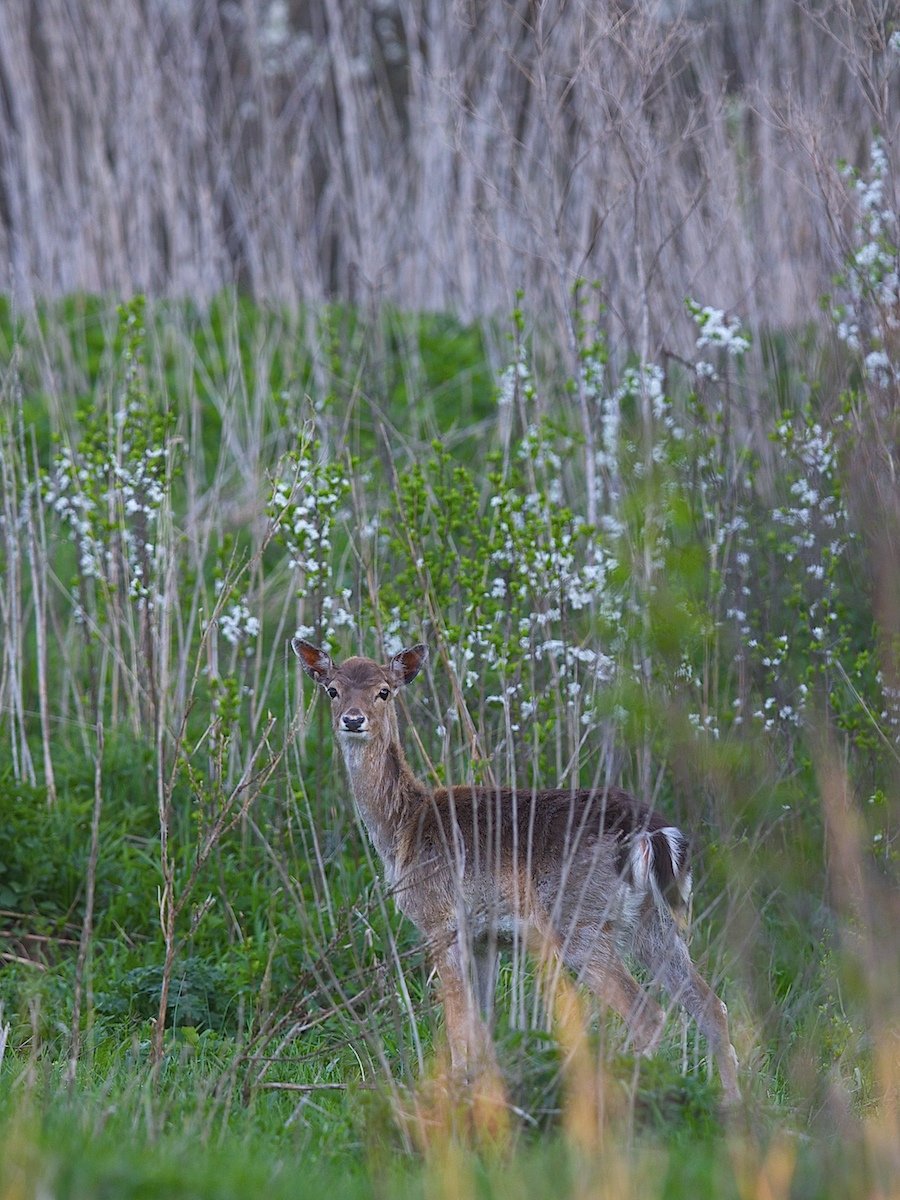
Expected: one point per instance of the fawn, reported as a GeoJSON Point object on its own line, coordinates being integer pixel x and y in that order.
{"type": "Point", "coordinates": [586, 874]}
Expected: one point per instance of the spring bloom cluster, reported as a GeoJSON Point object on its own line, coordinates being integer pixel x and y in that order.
{"type": "Point", "coordinates": [872, 279]}
{"type": "Point", "coordinates": [109, 501]}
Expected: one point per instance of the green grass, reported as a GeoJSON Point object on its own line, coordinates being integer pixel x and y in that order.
{"type": "Point", "coordinates": [104, 1138]}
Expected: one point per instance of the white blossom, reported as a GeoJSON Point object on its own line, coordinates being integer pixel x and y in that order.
{"type": "Point", "coordinates": [237, 625]}
{"type": "Point", "coordinates": [718, 330]}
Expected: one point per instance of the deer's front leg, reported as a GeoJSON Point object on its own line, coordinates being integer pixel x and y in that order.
{"type": "Point", "coordinates": [468, 1037]}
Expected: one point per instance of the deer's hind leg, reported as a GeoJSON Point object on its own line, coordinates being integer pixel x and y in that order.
{"type": "Point", "coordinates": [485, 962]}
{"type": "Point", "coordinates": [593, 955]}
{"type": "Point", "coordinates": [614, 985]}
{"type": "Point", "coordinates": [660, 947]}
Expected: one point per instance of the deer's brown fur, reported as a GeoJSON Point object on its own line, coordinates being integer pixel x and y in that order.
{"type": "Point", "coordinates": [583, 875]}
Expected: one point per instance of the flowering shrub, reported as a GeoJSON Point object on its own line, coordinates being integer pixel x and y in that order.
{"type": "Point", "coordinates": [304, 503]}
{"type": "Point", "coordinates": [111, 491]}
{"type": "Point", "coordinates": [112, 486]}
{"type": "Point", "coordinates": [869, 316]}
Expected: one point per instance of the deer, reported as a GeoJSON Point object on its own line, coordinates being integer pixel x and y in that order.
{"type": "Point", "coordinates": [592, 876]}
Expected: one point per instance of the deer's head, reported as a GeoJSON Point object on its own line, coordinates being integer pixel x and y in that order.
{"type": "Point", "coordinates": [361, 691]}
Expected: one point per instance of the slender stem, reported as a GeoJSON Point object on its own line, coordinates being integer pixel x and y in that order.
{"type": "Point", "coordinates": [87, 925]}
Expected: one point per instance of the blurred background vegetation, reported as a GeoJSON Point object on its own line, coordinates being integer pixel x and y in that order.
{"type": "Point", "coordinates": [437, 156]}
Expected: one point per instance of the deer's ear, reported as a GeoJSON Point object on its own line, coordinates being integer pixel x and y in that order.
{"type": "Point", "coordinates": [315, 662]}
{"type": "Point", "coordinates": [406, 665]}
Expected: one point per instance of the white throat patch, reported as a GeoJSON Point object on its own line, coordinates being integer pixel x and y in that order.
{"type": "Point", "coordinates": [353, 747]}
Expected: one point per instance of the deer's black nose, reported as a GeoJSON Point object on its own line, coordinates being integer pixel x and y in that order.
{"type": "Point", "coordinates": [353, 720]}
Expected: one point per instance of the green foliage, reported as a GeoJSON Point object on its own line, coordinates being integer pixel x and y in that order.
{"type": "Point", "coordinates": [41, 850]}
{"type": "Point", "coordinates": [199, 995]}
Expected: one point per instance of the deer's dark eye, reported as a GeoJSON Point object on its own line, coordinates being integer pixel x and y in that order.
{"type": "Point", "coordinates": [384, 693]}
{"type": "Point", "coordinates": [332, 692]}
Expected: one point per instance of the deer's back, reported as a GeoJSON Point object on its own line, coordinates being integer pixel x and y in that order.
{"type": "Point", "coordinates": [497, 842]}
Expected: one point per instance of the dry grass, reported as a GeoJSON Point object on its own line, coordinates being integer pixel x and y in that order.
{"type": "Point", "coordinates": [439, 156]}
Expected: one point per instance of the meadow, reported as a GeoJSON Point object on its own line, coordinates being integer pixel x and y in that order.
{"type": "Point", "coordinates": [680, 576]}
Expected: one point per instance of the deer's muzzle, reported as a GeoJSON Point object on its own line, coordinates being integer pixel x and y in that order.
{"type": "Point", "coordinates": [353, 721]}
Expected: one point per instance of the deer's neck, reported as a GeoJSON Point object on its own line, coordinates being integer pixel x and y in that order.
{"type": "Point", "coordinates": [385, 791]}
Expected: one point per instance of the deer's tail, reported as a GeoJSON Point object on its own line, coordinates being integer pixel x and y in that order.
{"type": "Point", "coordinates": [658, 862]}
